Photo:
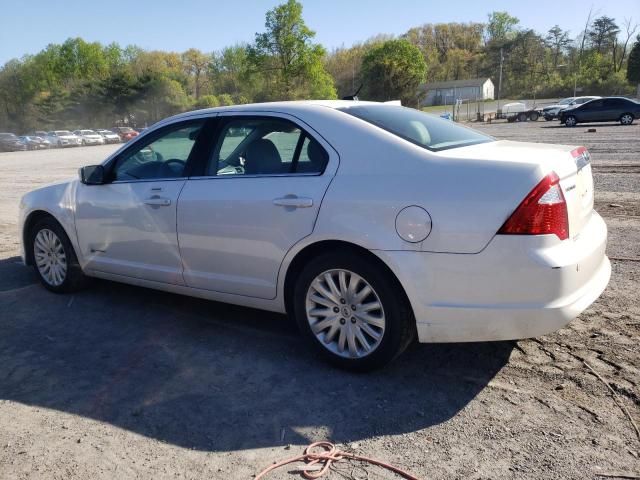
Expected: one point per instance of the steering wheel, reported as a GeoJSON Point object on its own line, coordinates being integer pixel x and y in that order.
{"type": "Point", "coordinates": [175, 165]}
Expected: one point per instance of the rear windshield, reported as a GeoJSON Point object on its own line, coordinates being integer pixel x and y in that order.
{"type": "Point", "coordinates": [428, 131]}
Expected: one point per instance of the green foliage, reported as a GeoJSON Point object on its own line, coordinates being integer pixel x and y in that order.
{"type": "Point", "coordinates": [501, 26]}
{"type": "Point", "coordinates": [286, 57]}
{"type": "Point", "coordinates": [633, 67]}
{"type": "Point", "coordinates": [393, 70]}
{"type": "Point", "coordinates": [86, 84]}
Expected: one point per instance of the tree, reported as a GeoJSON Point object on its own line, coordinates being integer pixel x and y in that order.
{"type": "Point", "coordinates": [286, 54]}
{"type": "Point", "coordinates": [196, 65]}
{"type": "Point", "coordinates": [633, 65]}
{"type": "Point", "coordinates": [501, 26]}
{"type": "Point", "coordinates": [393, 70]}
{"type": "Point", "coordinates": [557, 40]}
{"type": "Point", "coordinates": [603, 34]}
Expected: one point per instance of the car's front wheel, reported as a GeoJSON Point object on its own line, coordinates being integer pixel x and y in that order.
{"type": "Point", "coordinates": [626, 119]}
{"type": "Point", "coordinates": [352, 311]}
{"type": "Point", "coordinates": [570, 121]}
{"type": "Point", "coordinates": [54, 259]}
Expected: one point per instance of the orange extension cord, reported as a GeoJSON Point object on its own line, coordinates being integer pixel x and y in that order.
{"type": "Point", "coordinates": [329, 455]}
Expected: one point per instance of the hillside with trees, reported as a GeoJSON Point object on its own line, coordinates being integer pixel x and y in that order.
{"type": "Point", "coordinates": [79, 83]}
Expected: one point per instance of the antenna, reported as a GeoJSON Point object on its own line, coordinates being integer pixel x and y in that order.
{"type": "Point", "coordinates": [355, 95]}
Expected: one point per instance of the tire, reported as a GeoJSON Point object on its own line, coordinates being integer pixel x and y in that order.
{"type": "Point", "coordinates": [533, 116]}
{"type": "Point", "coordinates": [548, 119]}
{"type": "Point", "coordinates": [570, 121]}
{"type": "Point", "coordinates": [48, 236]}
{"type": "Point", "coordinates": [522, 117]}
{"type": "Point", "coordinates": [387, 331]}
{"type": "Point", "coordinates": [626, 118]}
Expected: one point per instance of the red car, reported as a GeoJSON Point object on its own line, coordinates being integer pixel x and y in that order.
{"type": "Point", "coordinates": [125, 133]}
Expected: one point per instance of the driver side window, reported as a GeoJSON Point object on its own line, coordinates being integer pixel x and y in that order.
{"type": "Point", "coordinates": [163, 155]}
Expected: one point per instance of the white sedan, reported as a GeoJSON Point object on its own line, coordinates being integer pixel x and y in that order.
{"type": "Point", "coordinates": [371, 224]}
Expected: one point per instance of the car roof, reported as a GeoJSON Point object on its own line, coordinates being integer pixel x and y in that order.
{"type": "Point", "coordinates": [282, 107]}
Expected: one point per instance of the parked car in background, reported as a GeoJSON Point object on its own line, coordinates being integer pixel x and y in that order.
{"type": "Point", "coordinates": [38, 133]}
{"type": "Point", "coordinates": [550, 112]}
{"type": "Point", "coordinates": [89, 137]}
{"type": "Point", "coordinates": [9, 142]}
{"type": "Point", "coordinates": [35, 143]}
{"type": "Point", "coordinates": [608, 109]}
{"type": "Point", "coordinates": [63, 138]}
{"type": "Point", "coordinates": [370, 224]}
{"type": "Point", "coordinates": [125, 133]}
{"type": "Point", "coordinates": [108, 135]}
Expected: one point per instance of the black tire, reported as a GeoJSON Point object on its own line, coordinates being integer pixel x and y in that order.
{"type": "Point", "coordinates": [74, 279]}
{"type": "Point", "coordinates": [570, 121]}
{"type": "Point", "coordinates": [533, 116]}
{"type": "Point", "coordinates": [522, 117]}
{"type": "Point", "coordinates": [400, 329]}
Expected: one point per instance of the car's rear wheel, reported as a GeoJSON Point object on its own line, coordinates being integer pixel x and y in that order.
{"type": "Point", "coordinates": [352, 311]}
{"type": "Point", "coordinates": [626, 119]}
{"type": "Point", "coordinates": [54, 259]}
{"type": "Point", "coordinates": [570, 121]}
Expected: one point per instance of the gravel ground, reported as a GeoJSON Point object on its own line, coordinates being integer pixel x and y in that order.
{"type": "Point", "coordinates": [123, 382]}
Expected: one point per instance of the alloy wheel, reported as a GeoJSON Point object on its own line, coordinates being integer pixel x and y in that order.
{"type": "Point", "coordinates": [345, 313]}
{"type": "Point", "coordinates": [50, 257]}
{"type": "Point", "coordinates": [570, 122]}
{"type": "Point", "coordinates": [626, 119]}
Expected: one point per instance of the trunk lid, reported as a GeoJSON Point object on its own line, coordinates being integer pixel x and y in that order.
{"type": "Point", "coordinates": [572, 164]}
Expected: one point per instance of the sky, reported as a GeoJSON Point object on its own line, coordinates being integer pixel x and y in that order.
{"type": "Point", "coordinates": [26, 27]}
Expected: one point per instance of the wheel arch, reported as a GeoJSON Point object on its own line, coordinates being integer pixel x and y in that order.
{"type": "Point", "coordinates": [30, 221]}
{"type": "Point", "coordinates": [323, 246]}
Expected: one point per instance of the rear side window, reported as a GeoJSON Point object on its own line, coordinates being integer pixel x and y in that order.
{"type": "Point", "coordinates": [265, 146]}
{"type": "Point", "coordinates": [428, 131]}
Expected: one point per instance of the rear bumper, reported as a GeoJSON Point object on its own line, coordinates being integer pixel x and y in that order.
{"type": "Point", "coordinates": [517, 287]}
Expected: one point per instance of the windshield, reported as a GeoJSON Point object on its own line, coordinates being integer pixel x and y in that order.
{"type": "Point", "coordinates": [566, 101]}
{"type": "Point", "coordinates": [428, 131]}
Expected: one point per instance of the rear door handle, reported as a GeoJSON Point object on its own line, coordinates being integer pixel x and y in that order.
{"type": "Point", "coordinates": [293, 201]}
{"type": "Point", "coordinates": [158, 201]}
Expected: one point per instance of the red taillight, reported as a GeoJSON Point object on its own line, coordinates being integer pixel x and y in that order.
{"type": "Point", "coordinates": [543, 211]}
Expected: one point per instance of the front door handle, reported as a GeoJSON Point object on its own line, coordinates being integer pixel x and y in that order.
{"type": "Point", "coordinates": [158, 201]}
{"type": "Point", "coordinates": [293, 202]}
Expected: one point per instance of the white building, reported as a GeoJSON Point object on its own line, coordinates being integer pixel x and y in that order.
{"type": "Point", "coordinates": [446, 93]}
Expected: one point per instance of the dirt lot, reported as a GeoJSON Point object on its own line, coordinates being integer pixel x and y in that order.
{"type": "Point", "coordinates": [122, 382]}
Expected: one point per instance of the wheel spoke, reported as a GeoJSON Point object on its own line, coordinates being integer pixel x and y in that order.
{"type": "Point", "coordinates": [320, 312]}
{"type": "Point", "coordinates": [362, 341]}
{"type": "Point", "coordinates": [322, 290]}
{"type": "Point", "coordinates": [351, 342]}
{"type": "Point", "coordinates": [370, 319]}
{"type": "Point", "coordinates": [324, 324]}
{"type": "Point", "coordinates": [322, 301]}
{"type": "Point", "coordinates": [342, 279]}
{"type": "Point", "coordinates": [369, 331]}
{"type": "Point", "coordinates": [342, 339]}
{"type": "Point", "coordinates": [328, 338]}
{"type": "Point", "coordinates": [332, 286]}
{"type": "Point", "coordinates": [362, 294]}
{"type": "Point", "coordinates": [367, 307]}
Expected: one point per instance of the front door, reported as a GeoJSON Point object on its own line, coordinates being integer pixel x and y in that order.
{"type": "Point", "coordinates": [258, 195]}
{"type": "Point", "coordinates": [128, 226]}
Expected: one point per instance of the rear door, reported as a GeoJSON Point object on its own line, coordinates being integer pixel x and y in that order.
{"type": "Point", "coordinates": [258, 194]}
{"type": "Point", "coordinates": [591, 111]}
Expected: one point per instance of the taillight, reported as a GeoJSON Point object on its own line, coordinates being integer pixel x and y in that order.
{"type": "Point", "coordinates": [543, 211]}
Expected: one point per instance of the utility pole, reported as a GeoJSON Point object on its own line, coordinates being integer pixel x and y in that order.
{"type": "Point", "coordinates": [500, 78]}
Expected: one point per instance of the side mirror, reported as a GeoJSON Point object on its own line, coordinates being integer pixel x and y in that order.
{"type": "Point", "coordinates": [92, 175]}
